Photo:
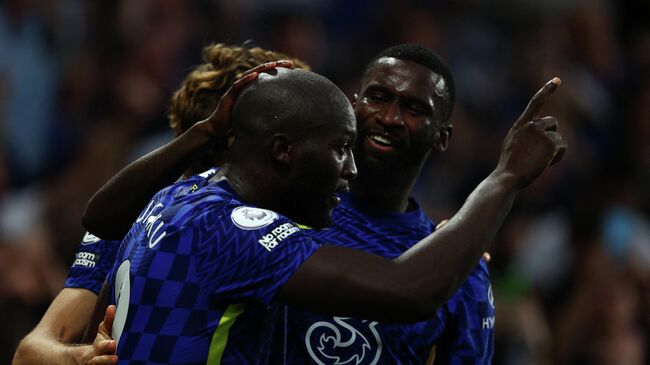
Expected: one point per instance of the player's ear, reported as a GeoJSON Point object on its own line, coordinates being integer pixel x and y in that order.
{"type": "Point", "coordinates": [442, 137]}
{"type": "Point", "coordinates": [230, 138]}
{"type": "Point", "coordinates": [281, 148]}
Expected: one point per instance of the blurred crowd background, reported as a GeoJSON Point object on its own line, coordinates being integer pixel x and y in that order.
{"type": "Point", "coordinates": [84, 87]}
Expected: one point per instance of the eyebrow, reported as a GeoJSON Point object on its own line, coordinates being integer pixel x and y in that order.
{"type": "Point", "coordinates": [408, 99]}
{"type": "Point", "coordinates": [378, 87]}
{"type": "Point", "coordinates": [428, 108]}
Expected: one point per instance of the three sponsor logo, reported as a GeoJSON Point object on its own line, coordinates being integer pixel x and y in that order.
{"type": "Point", "coordinates": [85, 259]}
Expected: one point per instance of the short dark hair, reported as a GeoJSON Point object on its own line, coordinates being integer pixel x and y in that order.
{"type": "Point", "coordinates": [426, 58]}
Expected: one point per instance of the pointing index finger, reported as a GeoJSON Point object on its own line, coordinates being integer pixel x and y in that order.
{"type": "Point", "coordinates": [536, 104]}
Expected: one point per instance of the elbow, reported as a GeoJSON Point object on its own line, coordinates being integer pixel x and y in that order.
{"type": "Point", "coordinates": [409, 310]}
{"type": "Point", "coordinates": [421, 300]}
{"type": "Point", "coordinates": [88, 218]}
{"type": "Point", "coordinates": [413, 304]}
{"type": "Point", "coordinates": [99, 226]}
{"type": "Point", "coordinates": [90, 223]}
{"type": "Point", "coordinates": [419, 310]}
{"type": "Point", "coordinates": [421, 307]}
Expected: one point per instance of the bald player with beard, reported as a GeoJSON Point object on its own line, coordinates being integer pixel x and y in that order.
{"type": "Point", "coordinates": [201, 275]}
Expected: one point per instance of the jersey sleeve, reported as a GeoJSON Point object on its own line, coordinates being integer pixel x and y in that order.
{"type": "Point", "coordinates": [93, 260]}
{"type": "Point", "coordinates": [250, 253]}
{"type": "Point", "coordinates": [468, 337]}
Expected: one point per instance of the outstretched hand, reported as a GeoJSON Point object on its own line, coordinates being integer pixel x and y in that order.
{"type": "Point", "coordinates": [219, 120]}
{"type": "Point", "coordinates": [533, 143]}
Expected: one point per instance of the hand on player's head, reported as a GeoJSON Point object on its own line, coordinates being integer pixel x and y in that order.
{"type": "Point", "coordinates": [219, 121]}
{"type": "Point", "coordinates": [533, 143]}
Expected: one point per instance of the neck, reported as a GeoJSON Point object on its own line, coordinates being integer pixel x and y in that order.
{"type": "Point", "coordinates": [384, 190]}
{"type": "Point", "coordinates": [247, 184]}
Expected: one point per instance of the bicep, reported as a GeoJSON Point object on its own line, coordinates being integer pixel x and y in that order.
{"type": "Point", "coordinates": [346, 282]}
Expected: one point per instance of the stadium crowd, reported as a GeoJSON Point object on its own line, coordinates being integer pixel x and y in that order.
{"type": "Point", "coordinates": [84, 85]}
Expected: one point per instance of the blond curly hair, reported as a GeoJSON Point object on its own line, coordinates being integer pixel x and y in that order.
{"type": "Point", "coordinates": [202, 88]}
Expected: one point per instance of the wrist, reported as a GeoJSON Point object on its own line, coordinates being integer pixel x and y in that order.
{"type": "Point", "coordinates": [201, 132]}
{"type": "Point", "coordinates": [505, 180]}
{"type": "Point", "coordinates": [198, 139]}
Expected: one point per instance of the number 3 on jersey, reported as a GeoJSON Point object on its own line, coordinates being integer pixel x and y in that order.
{"type": "Point", "coordinates": [122, 298]}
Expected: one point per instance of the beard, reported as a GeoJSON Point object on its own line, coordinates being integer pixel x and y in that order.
{"type": "Point", "coordinates": [308, 197]}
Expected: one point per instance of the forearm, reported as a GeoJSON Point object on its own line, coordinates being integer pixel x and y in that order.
{"type": "Point", "coordinates": [116, 205]}
{"type": "Point", "coordinates": [438, 264]}
{"type": "Point", "coordinates": [62, 324]}
{"type": "Point", "coordinates": [346, 282]}
{"type": "Point", "coordinates": [43, 348]}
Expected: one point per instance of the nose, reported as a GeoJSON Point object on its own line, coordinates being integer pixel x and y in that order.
{"type": "Point", "coordinates": [349, 168]}
{"type": "Point", "coordinates": [391, 114]}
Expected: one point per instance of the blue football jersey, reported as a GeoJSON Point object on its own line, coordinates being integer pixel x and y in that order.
{"type": "Point", "coordinates": [93, 260]}
{"type": "Point", "coordinates": [95, 257]}
{"type": "Point", "coordinates": [468, 337]}
{"type": "Point", "coordinates": [195, 279]}
{"type": "Point", "coordinates": [319, 339]}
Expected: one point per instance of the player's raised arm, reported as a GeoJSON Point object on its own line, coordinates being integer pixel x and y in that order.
{"type": "Point", "coordinates": [115, 206]}
{"type": "Point", "coordinates": [411, 287]}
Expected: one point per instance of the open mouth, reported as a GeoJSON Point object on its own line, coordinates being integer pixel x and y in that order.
{"type": "Point", "coordinates": [381, 140]}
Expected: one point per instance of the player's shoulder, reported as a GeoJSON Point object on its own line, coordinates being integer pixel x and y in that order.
{"type": "Point", "coordinates": [217, 202]}
{"type": "Point", "coordinates": [91, 242]}
{"type": "Point", "coordinates": [89, 239]}
{"type": "Point", "coordinates": [199, 180]}
{"type": "Point", "coordinates": [93, 259]}
{"type": "Point", "coordinates": [92, 251]}
{"type": "Point", "coordinates": [251, 218]}
{"type": "Point", "coordinates": [188, 185]}
{"type": "Point", "coordinates": [235, 223]}
{"type": "Point", "coordinates": [198, 192]}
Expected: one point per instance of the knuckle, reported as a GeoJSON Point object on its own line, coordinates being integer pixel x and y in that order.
{"type": "Point", "coordinates": [531, 126]}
